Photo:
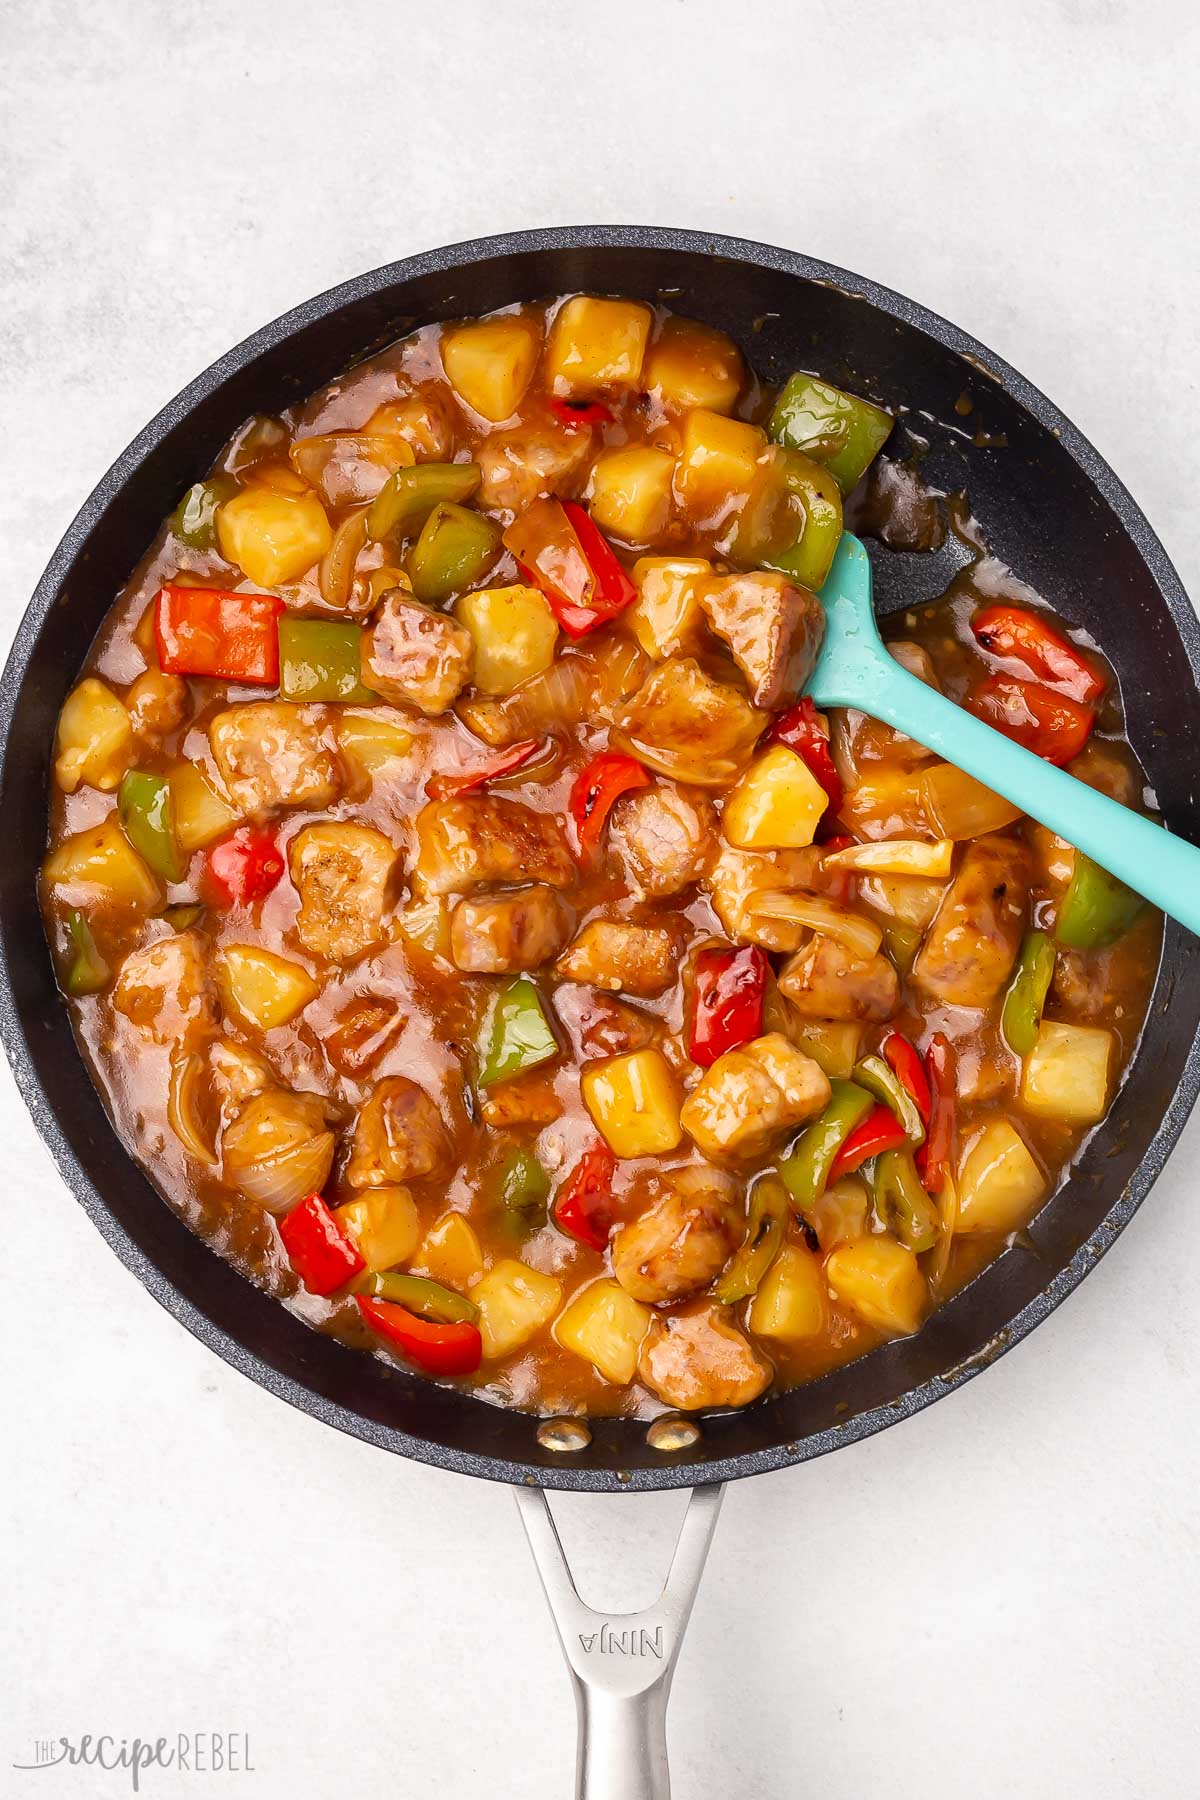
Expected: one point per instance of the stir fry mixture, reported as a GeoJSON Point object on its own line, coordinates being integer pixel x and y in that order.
{"type": "Point", "coordinates": [480, 939]}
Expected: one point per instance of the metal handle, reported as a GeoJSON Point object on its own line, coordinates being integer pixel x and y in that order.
{"type": "Point", "coordinates": [621, 1664]}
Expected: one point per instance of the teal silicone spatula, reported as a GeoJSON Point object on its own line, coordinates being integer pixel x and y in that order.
{"type": "Point", "coordinates": [854, 669]}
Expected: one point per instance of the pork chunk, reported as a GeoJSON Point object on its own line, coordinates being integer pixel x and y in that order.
{"type": "Point", "coordinates": [497, 933]}
{"type": "Point", "coordinates": [751, 1096]}
{"type": "Point", "coordinates": [478, 839]}
{"type": "Point", "coordinates": [342, 874]}
{"type": "Point", "coordinates": [664, 836]}
{"type": "Point", "coordinates": [683, 1239]}
{"type": "Point", "coordinates": [270, 753]}
{"type": "Point", "coordinates": [158, 705]}
{"type": "Point", "coordinates": [737, 876]}
{"type": "Point", "coordinates": [827, 981]}
{"type": "Point", "coordinates": [531, 459]}
{"type": "Point", "coordinates": [970, 948]}
{"type": "Point", "coordinates": [598, 1025]}
{"type": "Point", "coordinates": [416, 656]}
{"type": "Point", "coordinates": [525, 1100]}
{"type": "Point", "coordinates": [699, 1358]}
{"type": "Point", "coordinates": [165, 990]}
{"type": "Point", "coordinates": [631, 959]}
{"type": "Point", "coordinates": [773, 626]}
{"type": "Point", "coordinates": [684, 724]}
{"type": "Point", "coordinates": [398, 1136]}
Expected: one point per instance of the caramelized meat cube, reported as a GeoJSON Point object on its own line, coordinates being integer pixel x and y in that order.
{"type": "Point", "coordinates": [157, 705]}
{"type": "Point", "coordinates": [497, 933]}
{"type": "Point", "coordinates": [601, 1026]}
{"type": "Point", "coordinates": [483, 838]}
{"type": "Point", "coordinates": [827, 981]}
{"type": "Point", "coordinates": [426, 418]}
{"type": "Point", "coordinates": [683, 1239]}
{"type": "Point", "coordinates": [270, 753]}
{"type": "Point", "coordinates": [699, 1358]}
{"type": "Point", "coordinates": [166, 991]}
{"type": "Point", "coordinates": [738, 875]}
{"type": "Point", "coordinates": [525, 1100]}
{"type": "Point", "coordinates": [751, 1096]}
{"type": "Point", "coordinates": [416, 656]}
{"type": "Point", "coordinates": [341, 873]}
{"type": "Point", "coordinates": [684, 724]}
{"type": "Point", "coordinates": [530, 460]}
{"type": "Point", "coordinates": [365, 1028]}
{"type": "Point", "coordinates": [774, 629]}
{"type": "Point", "coordinates": [634, 959]}
{"type": "Point", "coordinates": [970, 948]}
{"type": "Point", "coordinates": [398, 1136]}
{"type": "Point", "coordinates": [664, 836]}
{"type": "Point", "coordinates": [1083, 982]}
{"type": "Point", "coordinates": [1108, 768]}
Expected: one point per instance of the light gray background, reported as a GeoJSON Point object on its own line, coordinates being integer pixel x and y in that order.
{"type": "Point", "coordinates": [998, 1599]}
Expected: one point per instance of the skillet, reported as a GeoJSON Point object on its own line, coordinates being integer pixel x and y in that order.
{"type": "Point", "coordinates": [1052, 508]}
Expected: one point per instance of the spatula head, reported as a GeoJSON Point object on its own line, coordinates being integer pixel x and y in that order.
{"type": "Point", "coordinates": [852, 651]}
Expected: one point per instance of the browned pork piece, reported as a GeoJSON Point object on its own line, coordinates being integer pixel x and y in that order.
{"type": "Point", "coordinates": [699, 1358]}
{"type": "Point", "coordinates": [479, 839]}
{"type": "Point", "coordinates": [398, 1136]}
{"type": "Point", "coordinates": [530, 460]}
{"type": "Point", "coordinates": [664, 836]}
{"type": "Point", "coordinates": [342, 874]}
{"type": "Point", "coordinates": [774, 628]}
{"type": "Point", "coordinates": [270, 753]}
{"type": "Point", "coordinates": [684, 724]}
{"type": "Point", "coordinates": [416, 656]}
{"type": "Point", "coordinates": [631, 959]}
{"type": "Point", "coordinates": [166, 991]}
{"type": "Point", "coordinates": [493, 934]}
{"type": "Point", "coordinates": [683, 1239]}
{"type": "Point", "coordinates": [827, 981]}
{"type": "Point", "coordinates": [970, 948]}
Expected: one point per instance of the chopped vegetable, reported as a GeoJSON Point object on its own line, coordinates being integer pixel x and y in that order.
{"type": "Point", "coordinates": [260, 988]}
{"type": "Point", "coordinates": [999, 1182]}
{"type": "Point", "coordinates": [805, 1170]}
{"type": "Point", "coordinates": [792, 519]}
{"type": "Point", "coordinates": [790, 1303]}
{"type": "Point", "coordinates": [777, 804]}
{"type": "Point", "coordinates": [242, 869]}
{"type": "Point", "coordinates": [957, 806]}
{"type": "Point", "coordinates": [765, 1227]}
{"type": "Point", "coordinates": [1048, 723]}
{"type": "Point", "coordinates": [934, 1156]}
{"type": "Point", "coordinates": [278, 1149]}
{"type": "Point", "coordinates": [320, 659]}
{"type": "Point", "coordinates": [1096, 908]}
{"type": "Point", "coordinates": [519, 1034]}
{"type": "Point", "coordinates": [514, 632]}
{"type": "Point", "coordinates": [319, 1251]}
{"type": "Point", "coordinates": [1066, 1073]}
{"type": "Point", "coordinates": [576, 414]}
{"type": "Point", "coordinates": [504, 762]}
{"type": "Point", "coordinates": [384, 1224]}
{"type": "Point", "coordinates": [490, 362]}
{"type": "Point", "coordinates": [881, 1281]}
{"type": "Point", "coordinates": [194, 521]}
{"type": "Point", "coordinates": [841, 430]}
{"type": "Point", "coordinates": [1026, 997]}
{"type": "Point", "coordinates": [583, 1206]}
{"type": "Point", "coordinates": [605, 1326]}
{"type": "Point", "coordinates": [272, 537]}
{"type": "Point", "coordinates": [833, 1044]}
{"type": "Point", "coordinates": [634, 1103]}
{"type": "Point", "coordinates": [728, 992]}
{"type": "Point", "coordinates": [881, 1130]}
{"type": "Point", "coordinates": [87, 972]}
{"type": "Point", "coordinates": [860, 935]}
{"type": "Point", "coordinates": [420, 1295]}
{"type": "Point", "coordinates": [147, 813]}
{"type": "Point", "coordinates": [903, 1059]}
{"type": "Point", "coordinates": [899, 856]}
{"type": "Point", "coordinates": [94, 744]}
{"type": "Point", "coordinates": [596, 345]}
{"type": "Point", "coordinates": [599, 784]}
{"type": "Point", "coordinates": [522, 1189]}
{"type": "Point", "coordinates": [409, 496]}
{"type": "Point", "coordinates": [455, 550]}
{"type": "Point", "coordinates": [183, 917]}
{"type": "Point", "coordinates": [435, 1349]}
{"type": "Point", "coordinates": [1021, 636]}
{"type": "Point", "coordinates": [802, 730]}
{"type": "Point", "coordinates": [206, 631]}
{"type": "Point", "coordinates": [901, 1203]}
{"type": "Point", "coordinates": [874, 1074]}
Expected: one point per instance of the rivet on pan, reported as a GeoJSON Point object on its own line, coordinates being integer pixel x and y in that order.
{"type": "Point", "coordinates": [622, 1475]}
{"type": "Point", "coordinates": [792, 1449]}
{"type": "Point", "coordinates": [672, 1433]}
{"type": "Point", "coordinates": [563, 1435]}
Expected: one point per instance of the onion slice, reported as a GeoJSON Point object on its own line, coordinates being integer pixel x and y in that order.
{"type": "Point", "coordinates": [858, 934]}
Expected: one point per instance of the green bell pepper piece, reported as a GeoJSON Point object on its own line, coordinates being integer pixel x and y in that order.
{"type": "Point", "coordinates": [147, 814]}
{"type": "Point", "coordinates": [407, 498]}
{"type": "Point", "coordinates": [878, 1079]}
{"type": "Point", "coordinates": [901, 1203]}
{"type": "Point", "coordinates": [769, 1206]}
{"type": "Point", "coordinates": [1027, 995]}
{"type": "Point", "coordinates": [901, 943]}
{"type": "Point", "coordinates": [320, 659]}
{"type": "Point", "coordinates": [420, 1295]}
{"type": "Point", "coordinates": [522, 1189]}
{"type": "Point", "coordinates": [805, 1169]}
{"type": "Point", "coordinates": [1096, 909]}
{"type": "Point", "coordinates": [455, 550]}
{"type": "Point", "coordinates": [87, 971]}
{"type": "Point", "coordinates": [519, 1035]}
{"type": "Point", "coordinates": [838, 429]}
{"type": "Point", "coordinates": [792, 519]}
{"type": "Point", "coordinates": [194, 520]}
{"type": "Point", "coordinates": [182, 917]}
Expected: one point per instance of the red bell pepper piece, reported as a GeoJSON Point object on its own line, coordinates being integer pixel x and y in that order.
{"type": "Point", "coordinates": [881, 1130]}
{"type": "Point", "coordinates": [583, 1207]}
{"type": "Point", "coordinates": [597, 786]}
{"type": "Point", "coordinates": [435, 1349]}
{"type": "Point", "coordinates": [564, 554]}
{"type": "Point", "coordinates": [1023, 637]}
{"type": "Point", "coordinates": [934, 1154]}
{"type": "Point", "coordinates": [241, 868]}
{"type": "Point", "coordinates": [576, 413]}
{"type": "Point", "coordinates": [445, 787]}
{"type": "Point", "coordinates": [728, 990]}
{"type": "Point", "coordinates": [206, 631]}
{"type": "Point", "coordinates": [906, 1065]}
{"type": "Point", "coordinates": [318, 1249]}
{"type": "Point", "coordinates": [800, 729]}
{"type": "Point", "coordinates": [1049, 724]}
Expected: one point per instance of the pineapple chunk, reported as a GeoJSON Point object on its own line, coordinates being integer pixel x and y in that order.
{"type": "Point", "coordinates": [104, 860]}
{"type": "Point", "coordinates": [777, 804]}
{"type": "Point", "coordinates": [273, 537]}
{"type": "Point", "coordinates": [1066, 1073]}
{"type": "Point", "coordinates": [450, 1252]}
{"type": "Point", "coordinates": [630, 492]}
{"type": "Point", "coordinates": [833, 1045]}
{"type": "Point", "coordinates": [718, 461]}
{"type": "Point", "coordinates": [879, 1278]}
{"type": "Point", "coordinates": [605, 1326]}
{"type": "Point", "coordinates": [426, 923]}
{"type": "Point", "coordinates": [201, 814]}
{"type": "Point", "coordinates": [383, 1224]}
{"type": "Point", "coordinates": [94, 745]}
{"type": "Point", "coordinates": [490, 362]}
{"type": "Point", "coordinates": [596, 344]}
{"type": "Point", "coordinates": [790, 1303]}
{"type": "Point", "coordinates": [368, 741]}
{"type": "Point", "coordinates": [260, 988]}
{"type": "Point", "coordinates": [514, 1303]}
{"type": "Point", "coordinates": [667, 618]}
{"type": "Point", "coordinates": [690, 364]}
{"type": "Point", "coordinates": [958, 807]}
{"type": "Point", "coordinates": [999, 1183]}
{"type": "Point", "coordinates": [514, 632]}
{"type": "Point", "coordinates": [634, 1103]}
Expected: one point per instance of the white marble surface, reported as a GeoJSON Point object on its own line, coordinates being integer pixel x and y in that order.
{"type": "Point", "coordinates": [998, 1599]}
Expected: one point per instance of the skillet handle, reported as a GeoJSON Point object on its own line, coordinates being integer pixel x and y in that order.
{"type": "Point", "coordinates": [621, 1664]}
